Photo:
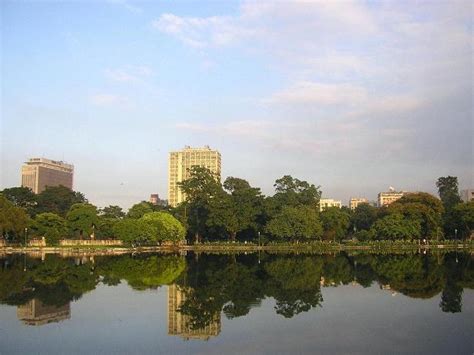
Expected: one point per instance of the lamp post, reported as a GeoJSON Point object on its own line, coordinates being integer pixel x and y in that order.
{"type": "Point", "coordinates": [26, 234]}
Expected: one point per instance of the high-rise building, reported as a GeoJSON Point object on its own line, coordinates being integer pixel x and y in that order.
{"type": "Point", "coordinates": [325, 203]}
{"type": "Point", "coordinates": [180, 163]}
{"type": "Point", "coordinates": [356, 201]}
{"type": "Point", "coordinates": [37, 173]}
{"type": "Point", "coordinates": [154, 199]}
{"type": "Point", "coordinates": [467, 195]}
{"type": "Point", "coordinates": [388, 197]}
{"type": "Point", "coordinates": [181, 324]}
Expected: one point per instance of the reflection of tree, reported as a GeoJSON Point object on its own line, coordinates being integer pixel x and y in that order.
{"type": "Point", "coordinates": [338, 270]}
{"type": "Point", "coordinates": [451, 298]}
{"type": "Point", "coordinates": [294, 282]}
{"type": "Point", "coordinates": [418, 276]}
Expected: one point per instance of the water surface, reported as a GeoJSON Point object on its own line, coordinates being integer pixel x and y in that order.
{"type": "Point", "coordinates": [256, 303]}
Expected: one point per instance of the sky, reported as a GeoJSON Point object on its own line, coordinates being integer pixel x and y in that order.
{"type": "Point", "coordinates": [354, 96]}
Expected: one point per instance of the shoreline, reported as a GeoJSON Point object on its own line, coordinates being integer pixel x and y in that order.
{"type": "Point", "coordinates": [241, 248]}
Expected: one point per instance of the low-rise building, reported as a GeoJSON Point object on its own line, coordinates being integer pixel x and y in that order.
{"type": "Point", "coordinates": [325, 203]}
{"type": "Point", "coordinates": [388, 197]}
{"type": "Point", "coordinates": [467, 195]}
{"type": "Point", "coordinates": [356, 201]}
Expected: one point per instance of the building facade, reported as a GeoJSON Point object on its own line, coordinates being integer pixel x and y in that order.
{"type": "Point", "coordinates": [37, 173]}
{"type": "Point", "coordinates": [467, 195]}
{"type": "Point", "coordinates": [388, 197]}
{"type": "Point", "coordinates": [180, 163]}
{"type": "Point", "coordinates": [356, 201]}
{"type": "Point", "coordinates": [325, 203]}
{"type": "Point", "coordinates": [35, 312]}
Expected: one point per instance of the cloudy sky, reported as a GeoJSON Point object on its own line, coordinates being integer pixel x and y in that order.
{"type": "Point", "coordinates": [352, 96]}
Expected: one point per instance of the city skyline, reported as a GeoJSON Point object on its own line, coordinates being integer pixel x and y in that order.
{"type": "Point", "coordinates": [351, 96]}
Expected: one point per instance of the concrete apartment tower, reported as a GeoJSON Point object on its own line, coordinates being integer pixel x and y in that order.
{"type": "Point", "coordinates": [179, 164]}
{"type": "Point", "coordinates": [37, 173]}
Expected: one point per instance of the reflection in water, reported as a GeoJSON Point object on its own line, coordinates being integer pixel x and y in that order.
{"type": "Point", "coordinates": [35, 312]}
{"type": "Point", "coordinates": [202, 289]}
{"type": "Point", "coordinates": [182, 324]}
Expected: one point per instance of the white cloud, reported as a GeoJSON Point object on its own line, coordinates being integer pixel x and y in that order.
{"type": "Point", "coordinates": [110, 100]}
{"type": "Point", "coordinates": [129, 74]}
{"type": "Point", "coordinates": [318, 93]}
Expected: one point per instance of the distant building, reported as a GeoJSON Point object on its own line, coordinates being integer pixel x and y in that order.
{"type": "Point", "coordinates": [37, 173]}
{"type": "Point", "coordinates": [467, 195]}
{"type": "Point", "coordinates": [356, 201]}
{"type": "Point", "coordinates": [386, 198]}
{"type": "Point", "coordinates": [35, 312]}
{"type": "Point", "coordinates": [180, 163]}
{"type": "Point", "coordinates": [181, 324]}
{"type": "Point", "coordinates": [154, 199]}
{"type": "Point", "coordinates": [325, 203]}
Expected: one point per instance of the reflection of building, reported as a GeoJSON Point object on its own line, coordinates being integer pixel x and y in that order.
{"type": "Point", "coordinates": [179, 164]}
{"type": "Point", "coordinates": [35, 312]}
{"type": "Point", "coordinates": [37, 173]}
{"type": "Point", "coordinates": [386, 198]}
{"type": "Point", "coordinates": [467, 195]}
{"type": "Point", "coordinates": [325, 203]}
{"type": "Point", "coordinates": [354, 202]}
{"type": "Point", "coordinates": [181, 324]}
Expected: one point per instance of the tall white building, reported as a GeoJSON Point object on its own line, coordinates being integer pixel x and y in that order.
{"type": "Point", "coordinates": [356, 201]}
{"type": "Point", "coordinates": [388, 197]}
{"type": "Point", "coordinates": [180, 162]}
{"type": "Point", "coordinates": [467, 195]}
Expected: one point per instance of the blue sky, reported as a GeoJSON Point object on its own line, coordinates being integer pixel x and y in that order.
{"type": "Point", "coordinates": [352, 96]}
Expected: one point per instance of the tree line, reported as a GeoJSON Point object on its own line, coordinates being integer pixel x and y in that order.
{"type": "Point", "coordinates": [235, 210]}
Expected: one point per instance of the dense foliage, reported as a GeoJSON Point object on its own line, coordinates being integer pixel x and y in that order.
{"type": "Point", "coordinates": [235, 210]}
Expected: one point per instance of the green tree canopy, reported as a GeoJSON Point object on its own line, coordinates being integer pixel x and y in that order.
{"type": "Point", "coordinates": [299, 222]}
{"type": "Point", "coordinates": [51, 226]}
{"type": "Point", "coordinates": [58, 199]}
{"type": "Point", "coordinates": [448, 191]}
{"type": "Point", "coordinates": [167, 228]}
{"type": "Point", "coordinates": [134, 231]}
{"type": "Point", "coordinates": [335, 223]}
{"type": "Point", "coordinates": [13, 220]}
{"type": "Point", "coordinates": [82, 218]}
{"type": "Point", "coordinates": [395, 226]}
{"type": "Point", "coordinates": [21, 197]}
{"type": "Point", "coordinates": [363, 216]}
{"type": "Point", "coordinates": [113, 212]}
{"type": "Point", "coordinates": [138, 210]}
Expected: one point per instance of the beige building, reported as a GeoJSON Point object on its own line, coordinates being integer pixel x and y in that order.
{"type": "Point", "coordinates": [328, 202]}
{"type": "Point", "coordinates": [356, 201]}
{"type": "Point", "coordinates": [386, 198]}
{"type": "Point", "coordinates": [180, 163]}
{"type": "Point", "coordinates": [35, 312]}
{"type": "Point", "coordinates": [181, 324]}
{"type": "Point", "coordinates": [37, 173]}
{"type": "Point", "coordinates": [467, 195]}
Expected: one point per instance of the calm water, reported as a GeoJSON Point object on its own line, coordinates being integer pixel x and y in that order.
{"type": "Point", "coordinates": [257, 303]}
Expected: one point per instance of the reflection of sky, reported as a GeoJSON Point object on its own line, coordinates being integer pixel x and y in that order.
{"type": "Point", "coordinates": [352, 320]}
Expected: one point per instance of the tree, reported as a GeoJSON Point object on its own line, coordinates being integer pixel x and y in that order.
{"type": "Point", "coordinates": [134, 231]}
{"type": "Point", "coordinates": [201, 187]}
{"type": "Point", "coordinates": [167, 228]}
{"type": "Point", "coordinates": [448, 191]}
{"type": "Point", "coordinates": [58, 199]}
{"type": "Point", "coordinates": [237, 209]}
{"type": "Point", "coordinates": [299, 222]}
{"type": "Point", "coordinates": [421, 207]}
{"type": "Point", "coordinates": [138, 210]}
{"type": "Point", "coordinates": [21, 197]}
{"type": "Point", "coordinates": [290, 191]}
{"type": "Point", "coordinates": [335, 223]}
{"type": "Point", "coordinates": [363, 216]}
{"type": "Point", "coordinates": [113, 212]}
{"type": "Point", "coordinates": [51, 226]}
{"type": "Point", "coordinates": [395, 226]}
{"type": "Point", "coordinates": [82, 217]}
{"type": "Point", "coordinates": [13, 220]}
{"type": "Point", "coordinates": [464, 217]}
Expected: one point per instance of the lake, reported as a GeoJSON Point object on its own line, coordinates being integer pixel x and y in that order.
{"type": "Point", "coordinates": [237, 303]}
